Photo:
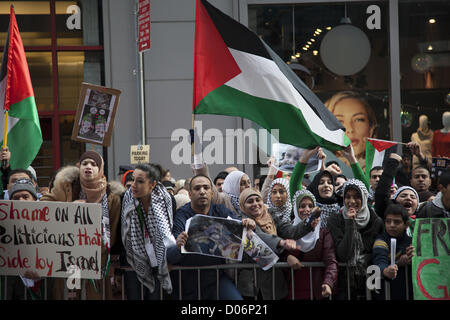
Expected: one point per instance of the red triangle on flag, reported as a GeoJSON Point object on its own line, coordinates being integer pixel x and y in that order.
{"type": "Point", "coordinates": [213, 63]}
{"type": "Point", "coordinates": [381, 145]}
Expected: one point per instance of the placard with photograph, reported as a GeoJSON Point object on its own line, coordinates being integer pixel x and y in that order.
{"type": "Point", "coordinates": [215, 236]}
{"type": "Point", "coordinates": [94, 120]}
{"type": "Point", "coordinates": [287, 156]}
{"type": "Point", "coordinates": [259, 251]}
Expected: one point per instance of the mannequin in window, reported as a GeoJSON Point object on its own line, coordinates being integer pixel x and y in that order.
{"type": "Point", "coordinates": [441, 138]}
{"type": "Point", "coordinates": [424, 137]}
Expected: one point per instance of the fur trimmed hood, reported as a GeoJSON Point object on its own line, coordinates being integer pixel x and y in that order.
{"type": "Point", "coordinates": [71, 174]}
{"type": "Point", "coordinates": [67, 174]}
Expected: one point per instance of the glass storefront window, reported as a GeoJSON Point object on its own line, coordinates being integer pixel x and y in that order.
{"type": "Point", "coordinates": [40, 66]}
{"type": "Point", "coordinates": [73, 69]}
{"type": "Point", "coordinates": [337, 53]}
{"type": "Point", "coordinates": [70, 77]}
{"type": "Point", "coordinates": [33, 19]}
{"type": "Point", "coordinates": [71, 150]}
{"type": "Point", "coordinates": [78, 23]}
{"type": "Point", "coordinates": [425, 70]}
{"type": "Point", "coordinates": [43, 163]}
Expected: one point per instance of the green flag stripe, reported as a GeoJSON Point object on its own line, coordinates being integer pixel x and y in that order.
{"type": "Point", "coordinates": [24, 142]}
{"type": "Point", "coordinates": [25, 109]}
{"type": "Point", "coordinates": [267, 113]}
{"type": "Point", "coordinates": [370, 154]}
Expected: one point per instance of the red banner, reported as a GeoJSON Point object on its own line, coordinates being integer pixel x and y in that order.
{"type": "Point", "coordinates": [144, 25]}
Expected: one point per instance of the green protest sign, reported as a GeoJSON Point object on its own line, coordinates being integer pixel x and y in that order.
{"type": "Point", "coordinates": [431, 263]}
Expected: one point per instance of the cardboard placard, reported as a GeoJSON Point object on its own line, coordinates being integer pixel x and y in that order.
{"type": "Point", "coordinates": [94, 120]}
{"type": "Point", "coordinates": [431, 262]}
{"type": "Point", "coordinates": [140, 154]}
{"type": "Point", "coordinates": [50, 238]}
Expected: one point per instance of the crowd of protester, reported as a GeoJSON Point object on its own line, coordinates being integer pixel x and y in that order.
{"type": "Point", "coordinates": [331, 219]}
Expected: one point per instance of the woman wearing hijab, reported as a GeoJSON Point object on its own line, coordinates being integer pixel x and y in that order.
{"type": "Point", "coordinates": [272, 231]}
{"type": "Point", "coordinates": [316, 246]}
{"type": "Point", "coordinates": [323, 184]}
{"type": "Point", "coordinates": [146, 230]}
{"type": "Point", "coordinates": [276, 194]}
{"type": "Point", "coordinates": [354, 231]}
{"type": "Point", "coordinates": [86, 182]}
{"type": "Point", "coordinates": [278, 200]}
{"type": "Point", "coordinates": [235, 182]}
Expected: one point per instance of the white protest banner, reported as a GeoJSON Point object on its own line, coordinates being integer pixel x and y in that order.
{"type": "Point", "coordinates": [50, 238]}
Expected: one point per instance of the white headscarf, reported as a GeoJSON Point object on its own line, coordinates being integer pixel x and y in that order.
{"type": "Point", "coordinates": [307, 242]}
{"type": "Point", "coordinates": [232, 187]}
{"type": "Point", "coordinates": [232, 183]}
{"type": "Point", "coordinates": [363, 214]}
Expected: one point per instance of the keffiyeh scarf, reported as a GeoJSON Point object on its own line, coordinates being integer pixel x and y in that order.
{"type": "Point", "coordinates": [158, 223]}
{"type": "Point", "coordinates": [284, 212]}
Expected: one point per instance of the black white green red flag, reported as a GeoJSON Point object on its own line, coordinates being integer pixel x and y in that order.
{"type": "Point", "coordinates": [24, 137]}
{"type": "Point", "coordinates": [237, 74]}
{"type": "Point", "coordinates": [377, 151]}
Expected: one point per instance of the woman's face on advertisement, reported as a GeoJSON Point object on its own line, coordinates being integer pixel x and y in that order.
{"type": "Point", "coordinates": [353, 116]}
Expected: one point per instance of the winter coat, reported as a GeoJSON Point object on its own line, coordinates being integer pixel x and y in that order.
{"type": "Point", "coordinates": [323, 252]}
{"type": "Point", "coordinates": [381, 257]}
{"type": "Point", "coordinates": [67, 189]}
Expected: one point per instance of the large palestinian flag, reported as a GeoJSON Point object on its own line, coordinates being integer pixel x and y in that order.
{"type": "Point", "coordinates": [16, 95]}
{"type": "Point", "coordinates": [237, 74]}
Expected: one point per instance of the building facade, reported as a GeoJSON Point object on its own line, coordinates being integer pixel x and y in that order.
{"type": "Point", "coordinates": [396, 57]}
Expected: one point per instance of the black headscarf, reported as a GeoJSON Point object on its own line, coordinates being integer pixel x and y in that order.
{"type": "Point", "coordinates": [313, 187]}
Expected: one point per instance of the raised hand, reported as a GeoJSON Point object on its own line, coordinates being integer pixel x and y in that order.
{"type": "Point", "coordinates": [349, 154]}
{"type": "Point", "coordinates": [307, 154]}
{"type": "Point", "coordinates": [271, 165]}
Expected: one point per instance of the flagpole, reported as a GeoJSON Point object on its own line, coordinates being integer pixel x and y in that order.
{"type": "Point", "coordinates": [388, 141]}
{"type": "Point", "coordinates": [193, 136]}
{"type": "Point", "coordinates": [5, 136]}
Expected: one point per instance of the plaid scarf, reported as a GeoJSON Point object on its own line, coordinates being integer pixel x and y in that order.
{"type": "Point", "coordinates": [158, 223]}
{"type": "Point", "coordinates": [283, 212]}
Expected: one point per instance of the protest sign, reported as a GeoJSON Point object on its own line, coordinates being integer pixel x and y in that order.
{"type": "Point", "coordinates": [431, 262]}
{"type": "Point", "coordinates": [259, 251]}
{"type": "Point", "coordinates": [94, 120]}
{"type": "Point", "coordinates": [214, 236]}
{"type": "Point", "coordinates": [50, 238]}
{"type": "Point", "coordinates": [438, 165]}
{"type": "Point", "coordinates": [287, 156]}
{"type": "Point", "coordinates": [140, 154]}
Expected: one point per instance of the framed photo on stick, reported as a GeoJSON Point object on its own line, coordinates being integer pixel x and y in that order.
{"type": "Point", "coordinates": [94, 120]}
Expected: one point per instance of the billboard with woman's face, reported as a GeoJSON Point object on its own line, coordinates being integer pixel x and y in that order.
{"type": "Point", "coordinates": [358, 118]}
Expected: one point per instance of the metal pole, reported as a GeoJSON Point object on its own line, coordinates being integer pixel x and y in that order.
{"type": "Point", "coordinates": [395, 89]}
{"type": "Point", "coordinates": [292, 283]}
{"type": "Point", "coordinates": [140, 81]}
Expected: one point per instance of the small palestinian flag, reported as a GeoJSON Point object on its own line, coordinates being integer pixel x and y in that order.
{"type": "Point", "coordinates": [24, 137]}
{"type": "Point", "coordinates": [376, 152]}
{"type": "Point", "coordinates": [237, 74]}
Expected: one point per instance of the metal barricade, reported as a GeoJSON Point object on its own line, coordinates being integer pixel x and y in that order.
{"type": "Point", "coordinates": [236, 267]}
